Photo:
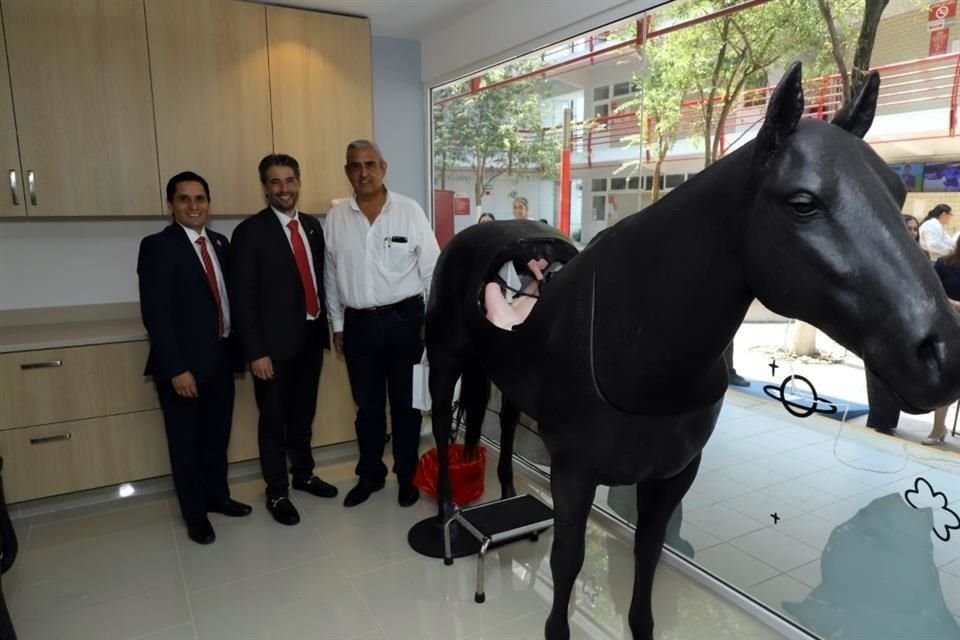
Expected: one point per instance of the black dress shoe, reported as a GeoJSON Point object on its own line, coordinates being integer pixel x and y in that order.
{"type": "Point", "coordinates": [283, 511]}
{"type": "Point", "coordinates": [232, 508]}
{"type": "Point", "coordinates": [316, 486]}
{"type": "Point", "coordinates": [408, 494]}
{"type": "Point", "coordinates": [737, 380]}
{"type": "Point", "coordinates": [200, 531]}
{"type": "Point", "coordinates": [361, 492]}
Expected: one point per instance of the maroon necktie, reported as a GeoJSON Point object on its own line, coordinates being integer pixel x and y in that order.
{"type": "Point", "coordinates": [303, 266]}
{"type": "Point", "coordinates": [212, 281]}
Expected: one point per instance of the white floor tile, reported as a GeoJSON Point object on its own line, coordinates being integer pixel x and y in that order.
{"type": "Point", "coordinates": [776, 549]}
{"type": "Point", "coordinates": [722, 522]}
{"type": "Point", "coordinates": [312, 600]}
{"type": "Point", "coordinates": [735, 566]}
{"type": "Point", "coordinates": [809, 574]}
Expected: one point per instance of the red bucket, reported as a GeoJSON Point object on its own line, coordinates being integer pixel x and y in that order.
{"type": "Point", "coordinates": [466, 476]}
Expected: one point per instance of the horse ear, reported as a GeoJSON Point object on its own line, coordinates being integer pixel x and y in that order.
{"type": "Point", "coordinates": [783, 114]}
{"type": "Point", "coordinates": [857, 116]}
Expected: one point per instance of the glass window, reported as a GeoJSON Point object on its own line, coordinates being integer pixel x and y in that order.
{"type": "Point", "coordinates": [618, 184]}
{"type": "Point", "coordinates": [601, 111]}
{"type": "Point", "coordinates": [599, 207]}
{"type": "Point", "coordinates": [622, 88]}
{"type": "Point", "coordinates": [598, 184]}
{"type": "Point", "coordinates": [647, 183]}
{"type": "Point", "coordinates": [633, 183]}
{"type": "Point", "coordinates": [601, 93]}
{"type": "Point", "coordinates": [673, 180]}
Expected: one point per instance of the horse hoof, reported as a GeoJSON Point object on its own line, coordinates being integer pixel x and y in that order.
{"type": "Point", "coordinates": [556, 632]}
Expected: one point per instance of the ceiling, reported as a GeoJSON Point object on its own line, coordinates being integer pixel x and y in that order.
{"type": "Point", "coordinates": [407, 19]}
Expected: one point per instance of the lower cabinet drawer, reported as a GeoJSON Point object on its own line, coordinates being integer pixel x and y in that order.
{"type": "Point", "coordinates": [83, 454]}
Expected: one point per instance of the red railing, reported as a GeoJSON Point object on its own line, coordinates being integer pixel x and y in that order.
{"type": "Point", "coordinates": [906, 87]}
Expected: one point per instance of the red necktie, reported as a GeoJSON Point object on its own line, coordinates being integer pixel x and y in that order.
{"type": "Point", "coordinates": [303, 266]}
{"type": "Point", "coordinates": [212, 281]}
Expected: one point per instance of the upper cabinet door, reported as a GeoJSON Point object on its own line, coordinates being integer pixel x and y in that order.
{"type": "Point", "coordinates": [322, 96]}
{"type": "Point", "coordinates": [11, 177]}
{"type": "Point", "coordinates": [81, 90]}
{"type": "Point", "coordinates": [211, 89]}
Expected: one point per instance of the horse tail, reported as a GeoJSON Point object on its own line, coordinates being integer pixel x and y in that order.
{"type": "Point", "coordinates": [474, 396]}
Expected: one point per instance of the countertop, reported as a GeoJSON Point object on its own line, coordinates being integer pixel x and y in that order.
{"type": "Point", "coordinates": [70, 334]}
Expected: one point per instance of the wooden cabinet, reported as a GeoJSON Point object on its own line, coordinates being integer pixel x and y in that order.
{"type": "Point", "coordinates": [81, 91]}
{"type": "Point", "coordinates": [322, 96]}
{"type": "Point", "coordinates": [11, 185]}
{"type": "Point", "coordinates": [211, 91]}
{"type": "Point", "coordinates": [82, 417]}
{"type": "Point", "coordinates": [110, 98]}
{"type": "Point", "coordinates": [53, 385]}
{"type": "Point", "coordinates": [83, 454]}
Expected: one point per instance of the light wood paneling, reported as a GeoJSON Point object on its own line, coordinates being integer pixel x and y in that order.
{"type": "Point", "coordinates": [91, 381]}
{"type": "Point", "coordinates": [72, 456]}
{"type": "Point", "coordinates": [322, 96]}
{"type": "Point", "coordinates": [11, 199]}
{"type": "Point", "coordinates": [211, 91]}
{"type": "Point", "coordinates": [81, 89]}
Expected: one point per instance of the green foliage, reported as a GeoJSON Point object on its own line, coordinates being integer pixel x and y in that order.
{"type": "Point", "coordinates": [496, 131]}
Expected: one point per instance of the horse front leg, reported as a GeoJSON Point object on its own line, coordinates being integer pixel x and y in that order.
{"type": "Point", "coordinates": [509, 417]}
{"type": "Point", "coordinates": [573, 493]}
{"type": "Point", "coordinates": [656, 502]}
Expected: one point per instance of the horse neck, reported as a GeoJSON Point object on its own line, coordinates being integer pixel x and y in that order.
{"type": "Point", "coordinates": [688, 252]}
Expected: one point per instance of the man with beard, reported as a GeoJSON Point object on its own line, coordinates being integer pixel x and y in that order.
{"type": "Point", "coordinates": [282, 325]}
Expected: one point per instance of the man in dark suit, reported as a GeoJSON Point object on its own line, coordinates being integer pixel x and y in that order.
{"type": "Point", "coordinates": [183, 273]}
{"type": "Point", "coordinates": [278, 259]}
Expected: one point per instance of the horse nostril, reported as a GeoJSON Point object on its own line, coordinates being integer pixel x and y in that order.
{"type": "Point", "coordinates": [931, 352]}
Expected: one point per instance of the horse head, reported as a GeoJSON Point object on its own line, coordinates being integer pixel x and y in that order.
{"type": "Point", "coordinates": [824, 242]}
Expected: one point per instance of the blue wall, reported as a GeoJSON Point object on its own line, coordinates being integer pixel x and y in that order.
{"type": "Point", "coordinates": [398, 115]}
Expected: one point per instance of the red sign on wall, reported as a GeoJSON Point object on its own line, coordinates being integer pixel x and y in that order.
{"type": "Point", "coordinates": [461, 206]}
{"type": "Point", "coordinates": [942, 10]}
{"type": "Point", "coordinates": [939, 41]}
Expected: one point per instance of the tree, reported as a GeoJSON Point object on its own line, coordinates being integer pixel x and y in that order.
{"type": "Point", "coordinates": [494, 131]}
{"type": "Point", "coordinates": [839, 18]}
{"type": "Point", "coordinates": [657, 104]}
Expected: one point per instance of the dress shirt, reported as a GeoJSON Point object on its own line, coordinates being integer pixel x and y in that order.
{"type": "Point", "coordinates": [370, 265]}
{"type": "Point", "coordinates": [284, 221]}
{"type": "Point", "coordinates": [224, 302]}
{"type": "Point", "coordinates": [935, 239]}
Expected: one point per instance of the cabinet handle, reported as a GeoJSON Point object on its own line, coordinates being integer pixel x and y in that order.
{"type": "Point", "coordinates": [13, 187]}
{"type": "Point", "coordinates": [32, 186]}
{"type": "Point", "coordinates": [46, 439]}
{"type": "Point", "coordinates": [53, 364]}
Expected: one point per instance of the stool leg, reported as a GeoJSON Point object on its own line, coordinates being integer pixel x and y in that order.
{"type": "Point", "coordinates": [447, 553]}
{"type": "Point", "coordinates": [480, 595]}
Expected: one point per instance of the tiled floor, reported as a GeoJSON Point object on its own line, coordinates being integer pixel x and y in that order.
{"type": "Point", "coordinates": [125, 570]}
{"type": "Point", "coordinates": [838, 493]}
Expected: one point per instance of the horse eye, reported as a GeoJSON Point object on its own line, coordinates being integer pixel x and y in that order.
{"type": "Point", "coordinates": [804, 206]}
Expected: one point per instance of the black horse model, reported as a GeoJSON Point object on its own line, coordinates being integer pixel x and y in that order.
{"type": "Point", "coordinates": [620, 359]}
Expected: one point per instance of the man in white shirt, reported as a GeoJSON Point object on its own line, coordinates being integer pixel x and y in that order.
{"type": "Point", "coordinates": [380, 255]}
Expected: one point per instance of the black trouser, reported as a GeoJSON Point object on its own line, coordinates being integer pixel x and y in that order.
{"type": "Point", "coordinates": [381, 346]}
{"type": "Point", "coordinates": [198, 432]}
{"type": "Point", "coordinates": [884, 407]}
{"type": "Point", "coordinates": [287, 405]}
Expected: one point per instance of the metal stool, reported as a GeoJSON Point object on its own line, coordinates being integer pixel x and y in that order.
{"type": "Point", "coordinates": [498, 522]}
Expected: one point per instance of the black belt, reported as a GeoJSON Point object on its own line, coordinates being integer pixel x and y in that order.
{"type": "Point", "coordinates": [389, 307]}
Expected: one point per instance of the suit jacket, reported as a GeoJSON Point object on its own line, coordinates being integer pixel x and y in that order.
{"type": "Point", "coordinates": [269, 310]}
{"type": "Point", "coordinates": [178, 307]}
